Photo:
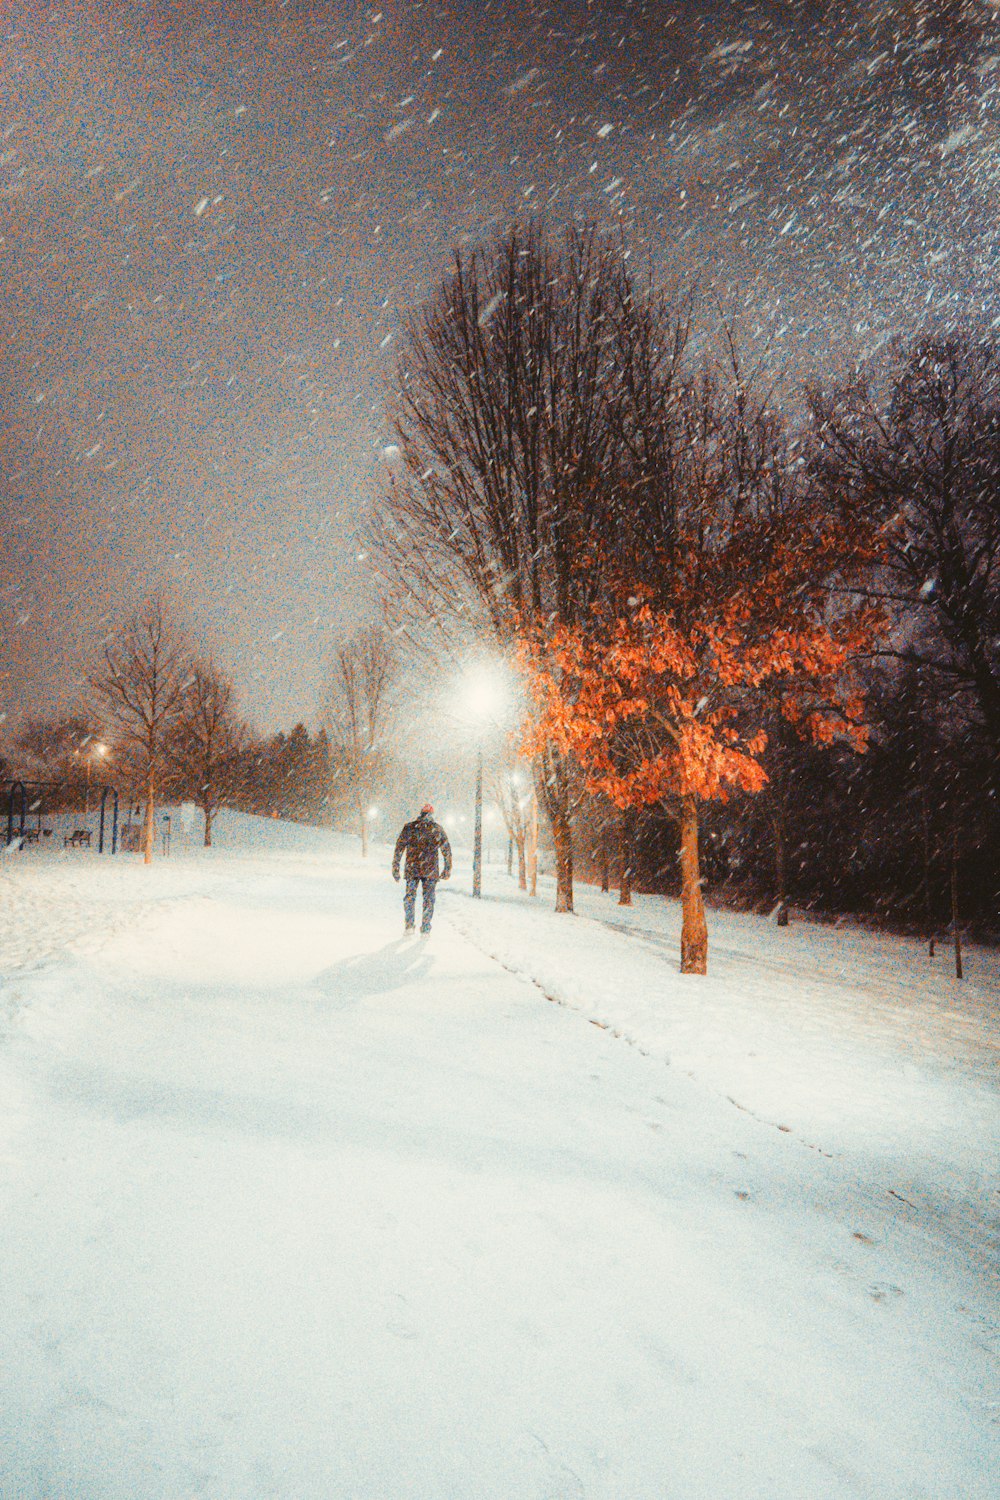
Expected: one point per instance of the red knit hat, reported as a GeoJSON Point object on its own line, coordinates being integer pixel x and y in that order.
{"type": "Point", "coordinates": [428, 807]}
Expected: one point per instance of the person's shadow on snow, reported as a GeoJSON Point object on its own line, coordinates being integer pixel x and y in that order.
{"type": "Point", "coordinates": [399, 963]}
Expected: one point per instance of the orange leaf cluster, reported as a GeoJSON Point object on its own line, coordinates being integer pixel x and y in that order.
{"type": "Point", "coordinates": [658, 703]}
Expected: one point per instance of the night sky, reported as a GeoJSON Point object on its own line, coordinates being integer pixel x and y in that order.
{"type": "Point", "coordinates": [214, 215]}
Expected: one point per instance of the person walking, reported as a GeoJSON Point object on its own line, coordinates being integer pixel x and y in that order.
{"type": "Point", "coordinates": [422, 841]}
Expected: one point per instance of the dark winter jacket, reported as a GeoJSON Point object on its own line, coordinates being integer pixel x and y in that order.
{"type": "Point", "coordinates": [421, 840]}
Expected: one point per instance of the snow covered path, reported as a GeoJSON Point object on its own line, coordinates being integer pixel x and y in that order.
{"type": "Point", "coordinates": [292, 1207]}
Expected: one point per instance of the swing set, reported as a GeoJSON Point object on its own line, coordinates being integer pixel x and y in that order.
{"type": "Point", "coordinates": [19, 832]}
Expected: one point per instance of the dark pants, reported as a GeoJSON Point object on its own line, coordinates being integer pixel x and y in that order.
{"type": "Point", "coordinates": [426, 905]}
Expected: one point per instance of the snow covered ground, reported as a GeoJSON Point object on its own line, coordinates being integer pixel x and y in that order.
{"type": "Point", "coordinates": [291, 1206]}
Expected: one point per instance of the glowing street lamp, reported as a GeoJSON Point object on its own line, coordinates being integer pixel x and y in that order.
{"type": "Point", "coordinates": [97, 752]}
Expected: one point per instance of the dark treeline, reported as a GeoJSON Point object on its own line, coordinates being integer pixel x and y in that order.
{"type": "Point", "coordinates": [875, 835]}
{"type": "Point", "coordinates": [287, 776]}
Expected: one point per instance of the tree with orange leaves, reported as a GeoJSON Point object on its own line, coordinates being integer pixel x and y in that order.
{"type": "Point", "coordinates": [661, 694]}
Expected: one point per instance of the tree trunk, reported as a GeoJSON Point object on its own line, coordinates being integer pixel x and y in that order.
{"type": "Point", "coordinates": [148, 818]}
{"type": "Point", "coordinates": [562, 838]}
{"type": "Point", "coordinates": [694, 933]}
{"type": "Point", "coordinates": [780, 857]}
{"type": "Point", "coordinates": [954, 905]}
{"type": "Point", "coordinates": [522, 873]}
{"type": "Point", "coordinates": [925, 822]}
{"type": "Point", "coordinates": [207, 810]}
{"type": "Point", "coordinates": [364, 835]}
{"type": "Point", "coordinates": [627, 843]}
{"type": "Point", "coordinates": [553, 791]}
{"type": "Point", "coordinates": [533, 849]}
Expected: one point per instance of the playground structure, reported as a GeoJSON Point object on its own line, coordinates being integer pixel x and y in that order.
{"type": "Point", "coordinates": [18, 809]}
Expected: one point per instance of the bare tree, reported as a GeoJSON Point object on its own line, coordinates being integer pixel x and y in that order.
{"type": "Point", "coordinates": [509, 789]}
{"type": "Point", "coordinates": [357, 718]}
{"type": "Point", "coordinates": [925, 450]}
{"type": "Point", "coordinates": [207, 737]}
{"type": "Point", "coordinates": [520, 449]}
{"type": "Point", "coordinates": [56, 748]}
{"type": "Point", "coordinates": [141, 689]}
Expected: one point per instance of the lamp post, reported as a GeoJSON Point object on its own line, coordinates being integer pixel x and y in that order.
{"type": "Point", "coordinates": [477, 837]}
{"type": "Point", "coordinates": [485, 697]}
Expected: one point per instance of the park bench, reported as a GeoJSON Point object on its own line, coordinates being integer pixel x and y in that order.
{"type": "Point", "coordinates": [79, 838]}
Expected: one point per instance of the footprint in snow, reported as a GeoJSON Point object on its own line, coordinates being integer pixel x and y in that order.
{"type": "Point", "coordinates": [402, 1331]}
{"type": "Point", "coordinates": [884, 1291]}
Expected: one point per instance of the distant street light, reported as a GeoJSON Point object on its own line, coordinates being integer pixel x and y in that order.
{"type": "Point", "coordinates": [368, 817]}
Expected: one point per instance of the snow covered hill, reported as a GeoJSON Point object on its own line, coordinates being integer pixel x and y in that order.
{"type": "Point", "coordinates": [292, 1206]}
